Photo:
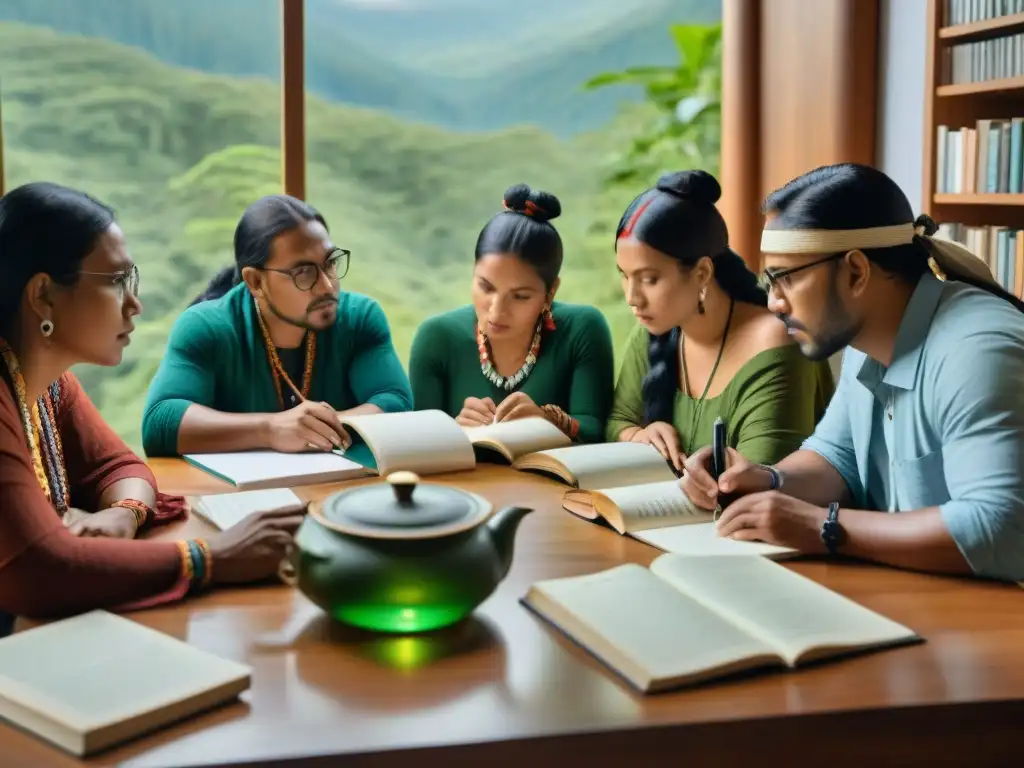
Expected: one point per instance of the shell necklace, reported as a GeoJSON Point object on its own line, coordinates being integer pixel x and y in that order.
{"type": "Point", "coordinates": [508, 383]}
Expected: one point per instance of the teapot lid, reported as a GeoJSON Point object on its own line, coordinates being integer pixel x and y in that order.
{"type": "Point", "coordinates": [404, 508]}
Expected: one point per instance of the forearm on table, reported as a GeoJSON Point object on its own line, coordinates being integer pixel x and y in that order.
{"type": "Point", "coordinates": [204, 430]}
{"type": "Point", "coordinates": [128, 488]}
{"type": "Point", "coordinates": [809, 477]}
{"type": "Point", "coordinates": [916, 540]}
{"type": "Point", "coordinates": [623, 431]}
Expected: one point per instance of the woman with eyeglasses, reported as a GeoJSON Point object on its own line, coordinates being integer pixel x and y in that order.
{"type": "Point", "coordinates": [706, 345]}
{"type": "Point", "coordinates": [73, 496]}
{"type": "Point", "coordinates": [515, 352]}
{"type": "Point", "coordinates": [272, 353]}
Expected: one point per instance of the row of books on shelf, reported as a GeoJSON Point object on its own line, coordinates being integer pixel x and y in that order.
{"type": "Point", "coordinates": [985, 159]}
{"type": "Point", "coordinates": [970, 11]}
{"type": "Point", "coordinates": [983, 60]}
{"type": "Point", "coordinates": [1001, 248]}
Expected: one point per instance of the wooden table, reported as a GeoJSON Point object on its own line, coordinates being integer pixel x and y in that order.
{"type": "Point", "coordinates": [505, 689]}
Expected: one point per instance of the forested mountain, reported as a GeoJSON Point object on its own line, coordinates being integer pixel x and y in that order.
{"type": "Point", "coordinates": [459, 64]}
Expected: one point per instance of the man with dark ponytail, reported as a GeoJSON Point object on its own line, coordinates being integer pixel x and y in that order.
{"type": "Point", "coordinates": [272, 351]}
{"type": "Point", "coordinates": [927, 420]}
{"type": "Point", "coordinates": [706, 345]}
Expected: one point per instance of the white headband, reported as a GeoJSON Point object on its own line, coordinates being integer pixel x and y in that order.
{"type": "Point", "coordinates": [947, 258]}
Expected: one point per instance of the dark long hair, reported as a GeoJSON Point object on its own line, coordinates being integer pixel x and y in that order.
{"type": "Point", "coordinates": [48, 228]}
{"type": "Point", "coordinates": [524, 228]}
{"type": "Point", "coordinates": [261, 223]}
{"type": "Point", "coordinates": [678, 217]}
{"type": "Point", "coordinates": [854, 196]}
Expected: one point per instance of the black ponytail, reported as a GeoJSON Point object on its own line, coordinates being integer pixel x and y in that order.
{"type": "Point", "coordinates": [259, 226]}
{"type": "Point", "coordinates": [678, 217]}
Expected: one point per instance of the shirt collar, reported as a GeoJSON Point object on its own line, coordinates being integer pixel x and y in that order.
{"type": "Point", "coordinates": [910, 339]}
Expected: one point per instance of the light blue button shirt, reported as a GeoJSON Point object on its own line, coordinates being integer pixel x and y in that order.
{"type": "Point", "coordinates": [948, 414]}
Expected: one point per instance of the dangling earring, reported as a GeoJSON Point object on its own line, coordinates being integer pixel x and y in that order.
{"type": "Point", "coordinates": [46, 328]}
{"type": "Point", "coordinates": [700, 300]}
{"type": "Point", "coordinates": [549, 320]}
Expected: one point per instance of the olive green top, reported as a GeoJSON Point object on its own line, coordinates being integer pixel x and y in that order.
{"type": "Point", "coordinates": [770, 407]}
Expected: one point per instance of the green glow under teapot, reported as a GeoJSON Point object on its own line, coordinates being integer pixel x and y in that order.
{"type": "Point", "coordinates": [402, 556]}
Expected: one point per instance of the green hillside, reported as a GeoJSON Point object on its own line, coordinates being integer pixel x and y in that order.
{"type": "Point", "coordinates": [459, 65]}
{"type": "Point", "coordinates": [180, 154]}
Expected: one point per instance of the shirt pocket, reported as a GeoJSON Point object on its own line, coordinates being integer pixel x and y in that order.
{"type": "Point", "coordinates": [920, 482]}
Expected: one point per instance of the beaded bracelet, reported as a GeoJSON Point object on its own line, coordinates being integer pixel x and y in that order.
{"type": "Point", "coordinates": [143, 512]}
{"type": "Point", "coordinates": [196, 563]}
{"type": "Point", "coordinates": [562, 420]}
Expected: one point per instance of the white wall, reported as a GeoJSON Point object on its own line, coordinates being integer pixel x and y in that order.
{"type": "Point", "coordinates": [901, 58]}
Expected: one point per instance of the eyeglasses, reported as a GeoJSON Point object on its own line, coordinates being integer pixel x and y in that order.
{"type": "Point", "coordinates": [127, 279]}
{"type": "Point", "coordinates": [305, 275]}
{"type": "Point", "coordinates": [780, 279]}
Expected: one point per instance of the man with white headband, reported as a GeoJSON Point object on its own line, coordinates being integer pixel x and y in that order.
{"type": "Point", "coordinates": [928, 417]}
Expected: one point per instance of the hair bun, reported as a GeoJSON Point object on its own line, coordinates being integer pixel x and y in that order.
{"type": "Point", "coordinates": [542, 206]}
{"type": "Point", "coordinates": [691, 185]}
{"type": "Point", "coordinates": [926, 222]}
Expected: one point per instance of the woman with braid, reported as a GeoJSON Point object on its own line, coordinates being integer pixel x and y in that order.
{"type": "Point", "coordinates": [516, 352]}
{"type": "Point", "coordinates": [707, 346]}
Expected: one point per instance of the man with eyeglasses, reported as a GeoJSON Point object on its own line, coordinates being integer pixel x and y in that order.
{"type": "Point", "coordinates": [927, 421]}
{"type": "Point", "coordinates": [273, 352]}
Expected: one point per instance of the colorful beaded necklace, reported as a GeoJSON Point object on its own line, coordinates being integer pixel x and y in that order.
{"type": "Point", "coordinates": [277, 369]}
{"type": "Point", "coordinates": [507, 383]}
{"type": "Point", "coordinates": [41, 435]}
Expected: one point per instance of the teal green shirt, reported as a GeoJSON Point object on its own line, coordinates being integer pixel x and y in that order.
{"type": "Point", "coordinates": [575, 369]}
{"type": "Point", "coordinates": [216, 357]}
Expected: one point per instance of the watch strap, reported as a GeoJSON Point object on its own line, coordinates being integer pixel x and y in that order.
{"type": "Point", "coordinates": [830, 530]}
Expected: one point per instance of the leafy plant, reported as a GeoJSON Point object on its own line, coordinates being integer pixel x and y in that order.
{"type": "Point", "coordinates": [684, 129]}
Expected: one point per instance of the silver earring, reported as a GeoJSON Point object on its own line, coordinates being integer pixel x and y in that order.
{"type": "Point", "coordinates": [46, 328]}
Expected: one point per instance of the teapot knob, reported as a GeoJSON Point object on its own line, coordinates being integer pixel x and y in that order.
{"type": "Point", "coordinates": [403, 483]}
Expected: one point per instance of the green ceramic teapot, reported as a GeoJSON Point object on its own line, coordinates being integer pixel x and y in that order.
{"type": "Point", "coordinates": [402, 556]}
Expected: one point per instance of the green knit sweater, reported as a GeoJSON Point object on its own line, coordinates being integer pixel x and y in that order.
{"type": "Point", "coordinates": [216, 357]}
{"type": "Point", "coordinates": [771, 405]}
{"type": "Point", "coordinates": [575, 369]}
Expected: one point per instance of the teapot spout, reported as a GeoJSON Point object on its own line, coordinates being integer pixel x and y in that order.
{"type": "Point", "coordinates": [503, 528]}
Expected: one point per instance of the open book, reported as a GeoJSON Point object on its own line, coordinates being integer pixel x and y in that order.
{"type": "Point", "coordinates": [660, 514]}
{"type": "Point", "coordinates": [430, 442]}
{"type": "Point", "coordinates": [687, 620]}
{"type": "Point", "coordinates": [253, 470]}
{"type": "Point", "coordinates": [600, 465]}
{"type": "Point", "coordinates": [98, 679]}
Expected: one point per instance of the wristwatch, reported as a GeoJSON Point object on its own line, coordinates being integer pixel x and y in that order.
{"type": "Point", "coordinates": [776, 476]}
{"type": "Point", "coordinates": [831, 531]}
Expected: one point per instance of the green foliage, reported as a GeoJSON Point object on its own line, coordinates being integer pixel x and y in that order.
{"type": "Point", "coordinates": [180, 154]}
{"type": "Point", "coordinates": [685, 128]}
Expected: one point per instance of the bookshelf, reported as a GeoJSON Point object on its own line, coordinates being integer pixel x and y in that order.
{"type": "Point", "coordinates": [974, 130]}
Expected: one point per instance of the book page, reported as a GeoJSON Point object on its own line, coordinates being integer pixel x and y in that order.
{"type": "Point", "coordinates": [644, 629]}
{"type": "Point", "coordinates": [652, 505]}
{"type": "Point", "coordinates": [425, 442]}
{"type": "Point", "coordinates": [224, 510]}
{"type": "Point", "coordinates": [702, 539]}
{"type": "Point", "coordinates": [792, 613]}
{"type": "Point", "coordinates": [516, 438]}
{"type": "Point", "coordinates": [604, 465]}
{"type": "Point", "coordinates": [270, 469]}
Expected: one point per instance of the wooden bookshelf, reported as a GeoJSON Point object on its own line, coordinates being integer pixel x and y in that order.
{"type": "Point", "coordinates": [983, 30]}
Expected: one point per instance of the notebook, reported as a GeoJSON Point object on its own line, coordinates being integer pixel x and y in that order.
{"type": "Point", "coordinates": [224, 510]}
{"type": "Point", "coordinates": [253, 470]}
{"type": "Point", "coordinates": [93, 681]}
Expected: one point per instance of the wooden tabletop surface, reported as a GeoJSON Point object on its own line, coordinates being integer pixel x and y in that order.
{"type": "Point", "coordinates": [505, 688]}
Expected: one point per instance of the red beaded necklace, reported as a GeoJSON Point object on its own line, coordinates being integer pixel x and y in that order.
{"type": "Point", "coordinates": [277, 369]}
